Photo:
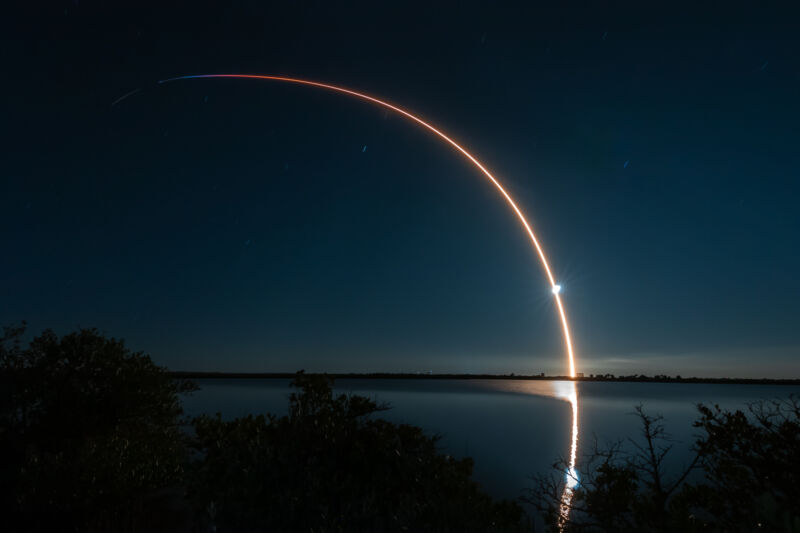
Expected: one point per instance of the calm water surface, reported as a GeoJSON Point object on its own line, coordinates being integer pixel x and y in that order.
{"type": "Point", "coordinates": [512, 428]}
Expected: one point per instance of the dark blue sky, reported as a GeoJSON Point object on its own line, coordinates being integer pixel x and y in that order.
{"type": "Point", "coordinates": [239, 225]}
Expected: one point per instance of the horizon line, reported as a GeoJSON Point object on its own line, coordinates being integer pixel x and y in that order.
{"type": "Point", "coordinates": [661, 378]}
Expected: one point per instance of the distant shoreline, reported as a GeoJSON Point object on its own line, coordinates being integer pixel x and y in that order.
{"type": "Point", "coordinates": [383, 375]}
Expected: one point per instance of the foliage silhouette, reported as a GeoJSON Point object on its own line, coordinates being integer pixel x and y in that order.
{"type": "Point", "coordinates": [750, 478]}
{"type": "Point", "coordinates": [331, 466]}
{"type": "Point", "coordinates": [91, 440]}
{"type": "Point", "coordinates": [88, 431]}
{"type": "Point", "coordinates": [752, 465]}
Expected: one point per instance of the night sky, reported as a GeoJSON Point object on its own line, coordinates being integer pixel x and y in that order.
{"type": "Point", "coordinates": [254, 226]}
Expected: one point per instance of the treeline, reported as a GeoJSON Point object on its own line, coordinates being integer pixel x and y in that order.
{"type": "Point", "coordinates": [658, 378]}
{"type": "Point", "coordinates": [662, 378]}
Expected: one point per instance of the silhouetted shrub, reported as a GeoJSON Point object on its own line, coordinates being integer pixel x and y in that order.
{"type": "Point", "coordinates": [91, 441]}
{"type": "Point", "coordinates": [752, 465]}
{"type": "Point", "coordinates": [750, 478]}
{"type": "Point", "coordinates": [331, 466]}
{"type": "Point", "coordinates": [88, 431]}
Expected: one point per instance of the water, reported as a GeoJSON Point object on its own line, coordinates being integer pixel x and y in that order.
{"type": "Point", "coordinates": [512, 428]}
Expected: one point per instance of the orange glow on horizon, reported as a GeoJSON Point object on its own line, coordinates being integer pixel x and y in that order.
{"type": "Point", "coordinates": [478, 164]}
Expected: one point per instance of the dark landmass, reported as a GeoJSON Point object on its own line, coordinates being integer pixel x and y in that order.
{"type": "Point", "coordinates": [93, 439]}
{"type": "Point", "coordinates": [385, 375]}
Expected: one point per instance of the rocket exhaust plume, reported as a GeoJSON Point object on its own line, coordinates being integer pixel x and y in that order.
{"type": "Point", "coordinates": [555, 287]}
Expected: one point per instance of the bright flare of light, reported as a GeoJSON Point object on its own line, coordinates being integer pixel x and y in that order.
{"type": "Point", "coordinates": [562, 314]}
{"type": "Point", "coordinates": [572, 479]}
{"type": "Point", "coordinates": [556, 289]}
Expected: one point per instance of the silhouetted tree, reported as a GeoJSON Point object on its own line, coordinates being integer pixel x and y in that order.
{"type": "Point", "coordinates": [620, 489]}
{"type": "Point", "coordinates": [752, 464]}
{"type": "Point", "coordinates": [331, 466]}
{"type": "Point", "coordinates": [749, 463]}
{"type": "Point", "coordinates": [88, 431]}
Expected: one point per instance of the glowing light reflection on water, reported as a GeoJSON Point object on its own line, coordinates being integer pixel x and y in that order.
{"type": "Point", "coordinates": [562, 390]}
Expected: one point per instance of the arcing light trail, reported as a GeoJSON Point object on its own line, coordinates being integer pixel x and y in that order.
{"type": "Point", "coordinates": [555, 287]}
{"type": "Point", "coordinates": [571, 474]}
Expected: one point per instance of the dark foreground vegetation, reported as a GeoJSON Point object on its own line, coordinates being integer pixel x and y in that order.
{"type": "Point", "coordinates": [745, 476]}
{"type": "Point", "coordinates": [92, 439]}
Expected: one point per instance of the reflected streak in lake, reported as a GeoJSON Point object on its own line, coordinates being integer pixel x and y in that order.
{"type": "Point", "coordinates": [571, 476]}
{"type": "Point", "coordinates": [562, 390]}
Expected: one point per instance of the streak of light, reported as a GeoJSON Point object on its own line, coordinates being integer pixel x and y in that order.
{"type": "Point", "coordinates": [571, 475]}
{"type": "Point", "coordinates": [124, 96]}
{"type": "Point", "coordinates": [561, 312]}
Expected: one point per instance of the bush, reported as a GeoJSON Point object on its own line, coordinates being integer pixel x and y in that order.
{"type": "Point", "coordinates": [88, 430]}
{"type": "Point", "coordinates": [751, 460]}
{"type": "Point", "coordinates": [750, 478]}
{"type": "Point", "coordinates": [330, 466]}
{"type": "Point", "coordinates": [91, 440]}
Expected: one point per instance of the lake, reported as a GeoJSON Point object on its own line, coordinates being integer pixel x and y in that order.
{"type": "Point", "coordinates": [512, 428]}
